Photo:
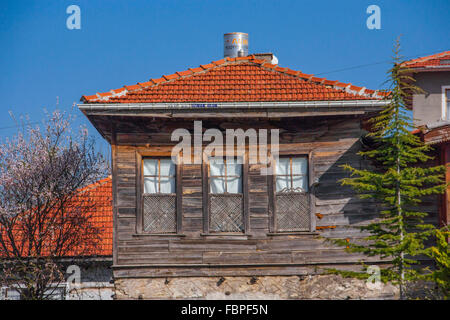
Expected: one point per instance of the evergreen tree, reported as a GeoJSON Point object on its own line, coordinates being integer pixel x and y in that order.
{"type": "Point", "coordinates": [440, 254]}
{"type": "Point", "coordinates": [398, 181]}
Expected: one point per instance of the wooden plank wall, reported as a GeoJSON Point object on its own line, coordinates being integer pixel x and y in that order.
{"type": "Point", "coordinates": [330, 142]}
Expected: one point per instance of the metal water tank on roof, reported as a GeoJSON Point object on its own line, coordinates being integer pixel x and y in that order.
{"type": "Point", "coordinates": [235, 44]}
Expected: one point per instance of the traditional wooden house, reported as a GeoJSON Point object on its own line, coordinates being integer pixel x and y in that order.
{"type": "Point", "coordinates": [431, 112]}
{"type": "Point", "coordinates": [202, 227]}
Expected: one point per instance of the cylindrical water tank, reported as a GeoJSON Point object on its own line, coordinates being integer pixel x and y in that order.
{"type": "Point", "coordinates": [235, 44]}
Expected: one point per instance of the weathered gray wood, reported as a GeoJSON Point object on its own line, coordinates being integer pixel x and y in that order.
{"type": "Point", "coordinates": [329, 143]}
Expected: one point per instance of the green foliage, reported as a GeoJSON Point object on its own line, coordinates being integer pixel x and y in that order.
{"type": "Point", "coordinates": [440, 254]}
{"type": "Point", "coordinates": [398, 181]}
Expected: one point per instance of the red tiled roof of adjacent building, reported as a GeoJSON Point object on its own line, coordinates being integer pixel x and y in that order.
{"type": "Point", "coordinates": [437, 60]}
{"type": "Point", "coordinates": [242, 79]}
{"type": "Point", "coordinates": [98, 196]}
{"type": "Point", "coordinates": [437, 135]}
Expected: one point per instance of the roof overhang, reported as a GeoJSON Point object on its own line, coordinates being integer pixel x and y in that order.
{"type": "Point", "coordinates": [441, 68]}
{"type": "Point", "coordinates": [100, 115]}
{"type": "Point", "coordinates": [198, 109]}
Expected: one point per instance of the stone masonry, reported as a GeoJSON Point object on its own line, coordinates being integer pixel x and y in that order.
{"type": "Point", "coordinates": [241, 288]}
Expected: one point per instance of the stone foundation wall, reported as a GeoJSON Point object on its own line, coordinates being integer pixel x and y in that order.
{"type": "Point", "coordinates": [241, 288]}
{"type": "Point", "coordinates": [90, 291]}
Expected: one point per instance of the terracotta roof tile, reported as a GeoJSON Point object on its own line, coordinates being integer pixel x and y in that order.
{"type": "Point", "coordinates": [235, 80]}
{"type": "Point", "coordinates": [99, 197]}
{"type": "Point", "coordinates": [104, 94]}
{"type": "Point", "coordinates": [159, 80]}
{"type": "Point", "coordinates": [195, 70]}
{"type": "Point", "coordinates": [184, 73]}
{"type": "Point", "coordinates": [171, 76]}
{"type": "Point", "coordinates": [431, 61]}
{"type": "Point", "coordinates": [120, 90]}
{"type": "Point", "coordinates": [146, 84]}
{"type": "Point", "coordinates": [218, 62]}
{"type": "Point", "coordinates": [207, 66]}
{"type": "Point", "coordinates": [342, 85]}
{"type": "Point", "coordinates": [91, 97]}
{"type": "Point", "coordinates": [133, 87]}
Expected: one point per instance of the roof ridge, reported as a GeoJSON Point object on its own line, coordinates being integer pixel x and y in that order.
{"type": "Point", "coordinates": [94, 185]}
{"type": "Point", "coordinates": [154, 82]}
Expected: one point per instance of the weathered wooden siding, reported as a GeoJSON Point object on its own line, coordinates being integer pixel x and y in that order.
{"type": "Point", "coordinates": [330, 143]}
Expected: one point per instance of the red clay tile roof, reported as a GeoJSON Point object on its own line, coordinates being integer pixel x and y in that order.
{"type": "Point", "coordinates": [243, 79]}
{"type": "Point", "coordinates": [437, 60]}
{"type": "Point", "coordinates": [437, 135]}
{"type": "Point", "coordinates": [100, 193]}
{"type": "Point", "coordinates": [99, 197]}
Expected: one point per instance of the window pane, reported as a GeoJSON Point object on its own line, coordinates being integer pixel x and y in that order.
{"type": "Point", "coordinates": [217, 185]}
{"type": "Point", "coordinates": [217, 168]}
{"type": "Point", "coordinates": [283, 166]}
{"type": "Point", "coordinates": [300, 182]}
{"type": "Point", "coordinates": [150, 167]}
{"type": "Point", "coordinates": [233, 168]}
{"type": "Point", "coordinates": [448, 110]}
{"type": "Point", "coordinates": [167, 167]}
{"type": "Point", "coordinates": [282, 183]}
{"type": "Point", "coordinates": [167, 185]}
{"type": "Point", "coordinates": [299, 166]}
{"type": "Point", "coordinates": [447, 92]}
{"type": "Point", "coordinates": [150, 185]}
{"type": "Point", "coordinates": [234, 185]}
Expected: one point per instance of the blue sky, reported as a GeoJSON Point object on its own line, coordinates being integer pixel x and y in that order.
{"type": "Point", "coordinates": [43, 64]}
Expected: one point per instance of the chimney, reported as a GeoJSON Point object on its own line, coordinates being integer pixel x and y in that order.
{"type": "Point", "coordinates": [235, 44]}
{"type": "Point", "coordinates": [269, 57]}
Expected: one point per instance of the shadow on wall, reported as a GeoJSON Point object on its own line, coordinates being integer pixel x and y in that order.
{"type": "Point", "coordinates": [339, 208]}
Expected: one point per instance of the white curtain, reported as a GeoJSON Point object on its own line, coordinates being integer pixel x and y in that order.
{"type": "Point", "coordinates": [282, 182]}
{"type": "Point", "coordinates": [150, 167]}
{"type": "Point", "coordinates": [234, 184]}
{"type": "Point", "coordinates": [217, 185]}
{"type": "Point", "coordinates": [283, 166]}
{"type": "Point", "coordinates": [167, 167]}
{"type": "Point", "coordinates": [283, 171]}
{"type": "Point", "coordinates": [299, 166]}
{"type": "Point", "coordinates": [150, 185]}
{"type": "Point", "coordinates": [167, 176]}
{"type": "Point", "coordinates": [167, 185]}
{"type": "Point", "coordinates": [233, 180]}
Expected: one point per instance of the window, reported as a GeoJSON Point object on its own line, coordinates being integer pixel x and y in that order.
{"type": "Point", "coordinates": [291, 199]}
{"type": "Point", "coordinates": [225, 196]}
{"type": "Point", "coordinates": [447, 101]}
{"type": "Point", "coordinates": [292, 174]}
{"type": "Point", "coordinates": [159, 196]}
{"type": "Point", "coordinates": [56, 292]}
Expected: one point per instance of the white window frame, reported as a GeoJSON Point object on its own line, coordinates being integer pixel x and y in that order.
{"type": "Point", "coordinates": [445, 115]}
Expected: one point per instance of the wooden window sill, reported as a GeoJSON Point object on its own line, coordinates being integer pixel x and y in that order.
{"type": "Point", "coordinates": [158, 235]}
{"type": "Point", "coordinates": [226, 235]}
{"type": "Point", "coordinates": [299, 233]}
